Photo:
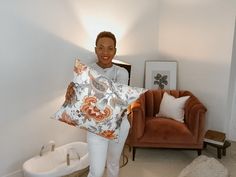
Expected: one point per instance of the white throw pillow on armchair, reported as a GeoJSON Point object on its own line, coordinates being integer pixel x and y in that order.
{"type": "Point", "coordinates": [172, 107]}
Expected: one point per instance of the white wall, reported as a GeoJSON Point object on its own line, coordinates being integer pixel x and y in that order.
{"type": "Point", "coordinates": [39, 41]}
{"type": "Point", "coordinates": [231, 122]}
{"type": "Point", "coordinates": [199, 35]}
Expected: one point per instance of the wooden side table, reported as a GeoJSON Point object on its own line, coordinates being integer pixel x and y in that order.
{"type": "Point", "coordinates": [221, 149]}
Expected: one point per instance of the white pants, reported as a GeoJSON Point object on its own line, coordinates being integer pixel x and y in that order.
{"type": "Point", "coordinates": [102, 151]}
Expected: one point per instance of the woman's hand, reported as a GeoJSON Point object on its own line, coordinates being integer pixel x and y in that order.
{"type": "Point", "coordinates": [70, 94]}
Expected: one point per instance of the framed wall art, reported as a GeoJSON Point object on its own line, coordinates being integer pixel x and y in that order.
{"type": "Point", "coordinates": [160, 75]}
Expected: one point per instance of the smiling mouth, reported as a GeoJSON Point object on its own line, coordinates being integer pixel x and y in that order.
{"type": "Point", "coordinates": [105, 58]}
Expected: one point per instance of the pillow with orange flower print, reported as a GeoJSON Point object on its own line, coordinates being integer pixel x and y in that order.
{"type": "Point", "coordinates": [95, 103]}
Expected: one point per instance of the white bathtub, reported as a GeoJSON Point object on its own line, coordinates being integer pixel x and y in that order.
{"type": "Point", "coordinates": [55, 163]}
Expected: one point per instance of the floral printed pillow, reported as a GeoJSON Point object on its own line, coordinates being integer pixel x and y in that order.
{"type": "Point", "coordinates": [96, 103]}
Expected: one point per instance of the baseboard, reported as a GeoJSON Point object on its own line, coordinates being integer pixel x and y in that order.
{"type": "Point", "coordinates": [18, 173]}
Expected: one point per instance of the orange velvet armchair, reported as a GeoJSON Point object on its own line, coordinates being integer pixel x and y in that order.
{"type": "Point", "coordinates": [160, 132]}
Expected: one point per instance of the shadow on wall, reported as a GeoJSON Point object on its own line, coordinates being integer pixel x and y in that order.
{"type": "Point", "coordinates": [40, 67]}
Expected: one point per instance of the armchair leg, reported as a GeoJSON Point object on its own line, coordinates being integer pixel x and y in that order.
{"type": "Point", "coordinates": [199, 152]}
{"type": "Point", "coordinates": [134, 151]}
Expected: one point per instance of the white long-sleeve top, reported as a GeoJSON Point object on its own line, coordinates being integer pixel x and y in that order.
{"type": "Point", "coordinates": [116, 73]}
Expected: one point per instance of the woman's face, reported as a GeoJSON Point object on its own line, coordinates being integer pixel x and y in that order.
{"type": "Point", "coordinates": [105, 51]}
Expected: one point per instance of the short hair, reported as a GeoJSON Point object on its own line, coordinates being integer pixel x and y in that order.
{"type": "Point", "coordinates": [106, 34]}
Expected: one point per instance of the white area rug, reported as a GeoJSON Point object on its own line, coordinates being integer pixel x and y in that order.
{"type": "Point", "coordinates": [204, 166]}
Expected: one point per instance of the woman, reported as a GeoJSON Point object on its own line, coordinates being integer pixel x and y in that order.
{"type": "Point", "coordinates": [103, 151]}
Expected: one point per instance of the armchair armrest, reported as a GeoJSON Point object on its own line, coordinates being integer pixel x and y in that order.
{"type": "Point", "coordinates": [195, 117]}
{"type": "Point", "coordinates": [137, 119]}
